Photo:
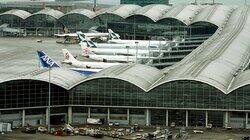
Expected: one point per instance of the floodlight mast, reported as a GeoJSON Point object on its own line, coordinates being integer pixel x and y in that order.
{"type": "Point", "coordinates": [49, 100]}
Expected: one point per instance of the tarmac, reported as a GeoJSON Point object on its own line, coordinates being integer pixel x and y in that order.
{"type": "Point", "coordinates": [214, 134]}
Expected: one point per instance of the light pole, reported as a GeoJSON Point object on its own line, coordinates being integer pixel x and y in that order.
{"type": "Point", "coordinates": [136, 53]}
{"type": "Point", "coordinates": [49, 102]}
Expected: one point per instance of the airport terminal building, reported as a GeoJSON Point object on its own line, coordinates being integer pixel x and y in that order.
{"type": "Point", "coordinates": [208, 86]}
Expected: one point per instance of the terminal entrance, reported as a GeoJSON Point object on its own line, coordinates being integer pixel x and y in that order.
{"type": "Point", "coordinates": [177, 117]}
{"type": "Point", "coordinates": [158, 117]}
{"type": "Point", "coordinates": [57, 119]}
{"type": "Point", "coordinates": [197, 118]}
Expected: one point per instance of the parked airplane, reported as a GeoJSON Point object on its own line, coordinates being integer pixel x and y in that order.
{"type": "Point", "coordinates": [139, 42]}
{"type": "Point", "coordinates": [48, 62]}
{"type": "Point", "coordinates": [111, 58]}
{"type": "Point", "coordinates": [114, 39]}
{"type": "Point", "coordinates": [84, 41]}
{"type": "Point", "coordinates": [122, 51]}
{"type": "Point", "coordinates": [5, 29]}
{"type": "Point", "coordinates": [69, 59]}
{"type": "Point", "coordinates": [102, 36]}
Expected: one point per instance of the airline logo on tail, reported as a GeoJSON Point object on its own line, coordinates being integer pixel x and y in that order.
{"type": "Point", "coordinates": [87, 51]}
{"type": "Point", "coordinates": [46, 61]}
{"type": "Point", "coordinates": [85, 40]}
{"type": "Point", "coordinates": [66, 56]}
{"type": "Point", "coordinates": [113, 35]}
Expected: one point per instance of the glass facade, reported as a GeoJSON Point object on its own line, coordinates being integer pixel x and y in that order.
{"type": "Point", "coordinates": [12, 20]}
{"type": "Point", "coordinates": [115, 92]}
{"type": "Point", "coordinates": [144, 2]}
{"type": "Point", "coordinates": [103, 19]}
{"type": "Point", "coordinates": [119, 96]}
{"type": "Point", "coordinates": [43, 24]}
{"type": "Point", "coordinates": [170, 29]}
{"type": "Point", "coordinates": [135, 26]}
{"type": "Point", "coordinates": [178, 94]}
{"type": "Point", "coordinates": [30, 93]}
{"type": "Point", "coordinates": [76, 22]}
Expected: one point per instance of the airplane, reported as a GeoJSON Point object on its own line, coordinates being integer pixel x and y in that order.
{"type": "Point", "coordinates": [5, 29]}
{"type": "Point", "coordinates": [122, 51]}
{"type": "Point", "coordinates": [102, 36]}
{"type": "Point", "coordinates": [140, 42]}
{"type": "Point", "coordinates": [85, 41]}
{"type": "Point", "coordinates": [69, 59]}
{"type": "Point", "coordinates": [111, 58]}
{"type": "Point", "coordinates": [47, 62]}
{"type": "Point", "coordinates": [114, 39]}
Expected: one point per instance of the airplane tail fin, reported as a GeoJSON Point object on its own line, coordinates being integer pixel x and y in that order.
{"type": "Point", "coordinates": [65, 30]}
{"type": "Point", "coordinates": [68, 57]}
{"type": "Point", "coordinates": [81, 36]}
{"type": "Point", "coordinates": [85, 41]}
{"type": "Point", "coordinates": [86, 51]}
{"type": "Point", "coordinates": [46, 61]}
{"type": "Point", "coordinates": [113, 35]}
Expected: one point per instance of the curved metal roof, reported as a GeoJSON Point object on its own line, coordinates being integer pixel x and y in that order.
{"type": "Point", "coordinates": [218, 61]}
{"type": "Point", "coordinates": [140, 75]}
{"type": "Point", "coordinates": [183, 13]}
{"type": "Point", "coordinates": [85, 12]}
{"type": "Point", "coordinates": [61, 77]}
{"type": "Point", "coordinates": [215, 14]}
{"type": "Point", "coordinates": [19, 13]}
{"type": "Point", "coordinates": [153, 11]}
{"type": "Point", "coordinates": [241, 80]}
{"type": "Point", "coordinates": [123, 10]}
{"type": "Point", "coordinates": [51, 12]}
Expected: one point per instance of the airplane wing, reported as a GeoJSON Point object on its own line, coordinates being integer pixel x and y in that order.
{"type": "Point", "coordinates": [66, 35]}
{"type": "Point", "coordinates": [4, 25]}
{"type": "Point", "coordinates": [86, 72]}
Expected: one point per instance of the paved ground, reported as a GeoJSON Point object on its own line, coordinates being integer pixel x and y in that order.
{"type": "Point", "coordinates": [217, 134]}
{"type": "Point", "coordinates": [18, 56]}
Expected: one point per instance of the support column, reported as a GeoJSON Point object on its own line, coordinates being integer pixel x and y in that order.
{"type": "Point", "coordinates": [108, 117]}
{"type": "Point", "coordinates": [47, 117]}
{"type": "Point", "coordinates": [226, 119]}
{"type": "Point", "coordinates": [128, 115]}
{"type": "Point", "coordinates": [89, 112]}
{"type": "Point", "coordinates": [70, 115]}
{"type": "Point", "coordinates": [186, 118]}
{"type": "Point", "coordinates": [147, 117]}
{"type": "Point", "coordinates": [166, 117]}
{"type": "Point", "coordinates": [206, 123]}
{"type": "Point", "coordinates": [246, 123]}
{"type": "Point", "coordinates": [23, 118]}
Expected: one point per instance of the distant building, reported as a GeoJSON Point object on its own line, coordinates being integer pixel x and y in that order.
{"type": "Point", "coordinates": [144, 2]}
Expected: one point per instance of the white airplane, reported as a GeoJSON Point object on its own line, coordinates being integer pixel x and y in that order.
{"type": "Point", "coordinates": [139, 42]}
{"type": "Point", "coordinates": [103, 36]}
{"type": "Point", "coordinates": [122, 51]}
{"type": "Point", "coordinates": [85, 41]}
{"type": "Point", "coordinates": [111, 58]}
{"type": "Point", "coordinates": [114, 39]}
{"type": "Point", "coordinates": [69, 59]}
{"type": "Point", "coordinates": [47, 62]}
